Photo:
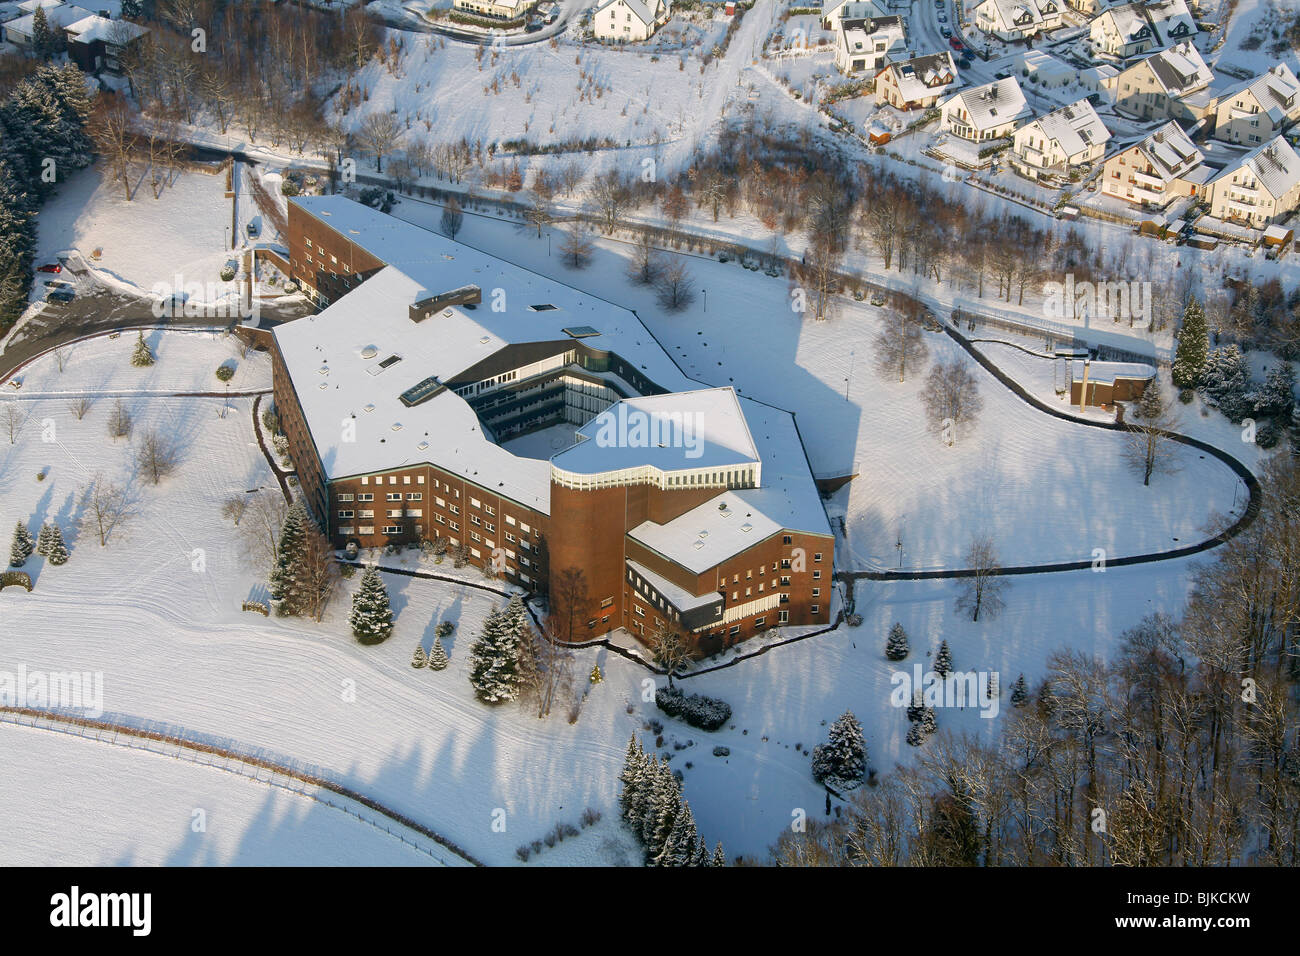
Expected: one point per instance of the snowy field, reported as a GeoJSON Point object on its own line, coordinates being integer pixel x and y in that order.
{"type": "Point", "coordinates": [144, 241]}
{"type": "Point", "coordinates": [84, 803]}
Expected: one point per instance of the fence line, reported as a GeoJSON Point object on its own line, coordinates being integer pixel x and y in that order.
{"type": "Point", "coordinates": [242, 764]}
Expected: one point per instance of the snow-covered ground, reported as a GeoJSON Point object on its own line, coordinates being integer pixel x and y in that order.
{"type": "Point", "coordinates": [86, 803]}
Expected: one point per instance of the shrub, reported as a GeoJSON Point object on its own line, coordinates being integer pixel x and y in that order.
{"type": "Point", "coordinates": [227, 273]}
{"type": "Point", "coordinates": [288, 187]}
{"type": "Point", "coordinates": [706, 713]}
{"type": "Point", "coordinates": [444, 628]}
{"type": "Point", "coordinates": [1186, 395]}
{"type": "Point", "coordinates": [225, 372]}
{"type": "Point", "coordinates": [1268, 434]}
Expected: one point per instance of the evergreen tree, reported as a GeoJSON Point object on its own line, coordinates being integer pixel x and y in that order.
{"type": "Point", "coordinates": [43, 539]}
{"type": "Point", "coordinates": [371, 617]}
{"type": "Point", "coordinates": [631, 798]}
{"type": "Point", "coordinates": [943, 661]}
{"type": "Point", "coordinates": [662, 807]}
{"type": "Point", "coordinates": [43, 38]}
{"type": "Point", "coordinates": [915, 735]}
{"type": "Point", "coordinates": [701, 855]}
{"type": "Point", "coordinates": [22, 547]}
{"type": "Point", "coordinates": [596, 676]}
{"type": "Point", "coordinates": [993, 689]}
{"type": "Point", "coordinates": [679, 848]}
{"type": "Point", "coordinates": [56, 552]}
{"type": "Point", "coordinates": [418, 659]}
{"type": "Point", "coordinates": [1276, 397]}
{"type": "Point", "coordinates": [289, 556]}
{"type": "Point", "coordinates": [1019, 693]}
{"type": "Point", "coordinates": [896, 645]}
{"type": "Point", "coordinates": [495, 658]}
{"type": "Point", "coordinates": [1151, 406]}
{"type": "Point", "coordinates": [1226, 382]}
{"type": "Point", "coordinates": [719, 858]}
{"type": "Point", "coordinates": [438, 659]}
{"type": "Point", "coordinates": [142, 357]}
{"type": "Point", "coordinates": [928, 724]}
{"type": "Point", "coordinates": [916, 708]}
{"type": "Point", "coordinates": [841, 762]}
{"type": "Point", "coordinates": [1193, 347]}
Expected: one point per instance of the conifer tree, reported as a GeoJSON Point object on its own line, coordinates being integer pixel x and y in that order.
{"type": "Point", "coordinates": [719, 858]}
{"type": "Point", "coordinates": [916, 708]}
{"type": "Point", "coordinates": [631, 799]}
{"type": "Point", "coordinates": [596, 676]}
{"type": "Point", "coordinates": [1019, 693]}
{"type": "Point", "coordinates": [43, 539]}
{"type": "Point", "coordinates": [22, 547]}
{"type": "Point", "coordinates": [896, 645]}
{"type": "Point", "coordinates": [943, 661]}
{"type": "Point", "coordinates": [915, 735]}
{"type": "Point", "coordinates": [418, 659]}
{"type": "Point", "coordinates": [927, 723]}
{"type": "Point", "coordinates": [289, 556]}
{"type": "Point", "coordinates": [1193, 346]}
{"type": "Point", "coordinates": [438, 659]}
{"type": "Point", "coordinates": [371, 617]}
{"type": "Point", "coordinates": [679, 847]}
{"type": "Point", "coordinates": [142, 357]}
{"type": "Point", "coordinates": [495, 665]}
{"type": "Point", "coordinates": [701, 855]}
{"type": "Point", "coordinates": [841, 762]}
{"type": "Point", "coordinates": [661, 809]}
{"type": "Point", "coordinates": [993, 689]}
{"type": "Point", "coordinates": [56, 552]}
{"type": "Point", "coordinates": [1151, 406]}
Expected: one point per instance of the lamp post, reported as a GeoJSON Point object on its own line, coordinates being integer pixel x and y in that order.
{"type": "Point", "coordinates": [548, 243]}
{"type": "Point", "coordinates": [705, 293]}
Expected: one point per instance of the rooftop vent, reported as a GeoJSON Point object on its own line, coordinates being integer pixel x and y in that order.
{"type": "Point", "coordinates": [747, 527]}
{"type": "Point", "coordinates": [543, 307]}
{"type": "Point", "coordinates": [580, 331]}
{"type": "Point", "coordinates": [427, 307]}
{"type": "Point", "coordinates": [369, 352]}
{"type": "Point", "coordinates": [369, 407]}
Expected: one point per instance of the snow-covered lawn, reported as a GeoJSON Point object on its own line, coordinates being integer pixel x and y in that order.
{"type": "Point", "coordinates": [144, 241]}
{"type": "Point", "coordinates": [85, 803]}
{"type": "Point", "coordinates": [184, 362]}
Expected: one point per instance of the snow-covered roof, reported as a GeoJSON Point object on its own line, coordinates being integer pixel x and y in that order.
{"type": "Point", "coordinates": [56, 16]}
{"type": "Point", "coordinates": [861, 36]}
{"type": "Point", "coordinates": [351, 391]}
{"type": "Point", "coordinates": [924, 76]}
{"type": "Point", "coordinates": [92, 28]}
{"type": "Point", "coordinates": [677, 596]}
{"type": "Point", "coordinates": [1180, 70]}
{"type": "Point", "coordinates": [643, 10]}
{"type": "Point", "coordinates": [1171, 154]}
{"type": "Point", "coordinates": [1108, 372]}
{"type": "Point", "coordinates": [679, 431]}
{"type": "Point", "coordinates": [1128, 22]}
{"type": "Point", "coordinates": [1274, 165]}
{"type": "Point", "coordinates": [707, 535]}
{"type": "Point", "coordinates": [1076, 127]}
{"type": "Point", "coordinates": [1019, 14]}
{"type": "Point", "coordinates": [1171, 19]}
{"type": "Point", "coordinates": [1275, 90]}
{"type": "Point", "coordinates": [993, 104]}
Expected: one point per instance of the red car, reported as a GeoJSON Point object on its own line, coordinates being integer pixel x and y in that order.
{"type": "Point", "coordinates": [51, 267]}
{"type": "Point", "coordinates": [955, 44]}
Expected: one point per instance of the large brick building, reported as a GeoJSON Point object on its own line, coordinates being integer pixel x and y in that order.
{"type": "Point", "coordinates": [442, 392]}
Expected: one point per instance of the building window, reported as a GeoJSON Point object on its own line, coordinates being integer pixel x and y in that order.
{"type": "Point", "coordinates": [415, 496]}
{"type": "Point", "coordinates": [735, 629]}
{"type": "Point", "coordinates": [345, 497]}
{"type": "Point", "coordinates": [365, 497]}
{"type": "Point", "coordinates": [392, 529]}
{"type": "Point", "coordinates": [394, 496]}
{"type": "Point", "coordinates": [816, 608]}
{"type": "Point", "coordinates": [346, 514]}
{"type": "Point", "coordinates": [786, 539]}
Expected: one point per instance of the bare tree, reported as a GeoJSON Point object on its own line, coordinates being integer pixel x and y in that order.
{"type": "Point", "coordinates": [983, 587]}
{"type": "Point", "coordinates": [13, 419]}
{"type": "Point", "coordinates": [611, 194]}
{"type": "Point", "coordinates": [901, 347]}
{"type": "Point", "coordinates": [645, 266]}
{"type": "Point", "coordinates": [670, 649]}
{"type": "Point", "coordinates": [234, 508]}
{"type": "Point", "coordinates": [318, 572]}
{"type": "Point", "coordinates": [378, 132]}
{"type": "Point", "coordinates": [452, 218]}
{"type": "Point", "coordinates": [61, 356]}
{"type": "Point", "coordinates": [1149, 449]}
{"type": "Point", "coordinates": [951, 398]}
{"type": "Point", "coordinates": [157, 455]}
{"type": "Point", "coordinates": [817, 276]}
{"type": "Point", "coordinates": [112, 128]}
{"type": "Point", "coordinates": [259, 526]}
{"type": "Point", "coordinates": [107, 506]}
{"type": "Point", "coordinates": [119, 421]}
{"type": "Point", "coordinates": [675, 286]}
{"type": "Point", "coordinates": [79, 407]}
{"type": "Point", "coordinates": [570, 176]}
{"type": "Point", "coordinates": [577, 247]}
{"type": "Point", "coordinates": [538, 214]}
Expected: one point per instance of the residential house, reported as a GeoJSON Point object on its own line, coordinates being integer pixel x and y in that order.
{"type": "Point", "coordinates": [628, 21]}
{"type": "Point", "coordinates": [1259, 188]}
{"type": "Point", "coordinates": [833, 11]}
{"type": "Point", "coordinates": [868, 45]}
{"type": "Point", "coordinates": [1170, 84]}
{"type": "Point", "coordinates": [495, 9]}
{"type": "Point", "coordinates": [1018, 19]}
{"type": "Point", "coordinates": [1258, 109]}
{"type": "Point", "coordinates": [19, 31]}
{"type": "Point", "coordinates": [1162, 167]}
{"type": "Point", "coordinates": [1044, 71]}
{"type": "Point", "coordinates": [96, 43]}
{"type": "Point", "coordinates": [986, 112]}
{"type": "Point", "coordinates": [918, 83]}
{"type": "Point", "coordinates": [1136, 28]}
{"type": "Point", "coordinates": [1071, 136]}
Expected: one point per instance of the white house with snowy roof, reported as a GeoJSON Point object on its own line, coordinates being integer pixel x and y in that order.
{"type": "Point", "coordinates": [833, 11]}
{"type": "Point", "coordinates": [495, 9]}
{"type": "Point", "coordinates": [1157, 170]}
{"type": "Point", "coordinates": [58, 15]}
{"type": "Point", "coordinates": [986, 112]}
{"type": "Point", "coordinates": [1170, 84]}
{"type": "Point", "coordinates": [1018, 19]}
{"type": "Point", "coordinates": [918, 83]}
{"type": "Point", "coordinates": [1255, 111]}
{"type": "Point", "coordinates": [866, 46]}
{"type": "Point", "coordinates": [628, 21]}
{"type": "Point", "coordinates": [1135, 28]}
{"type": "Point", "coordinates": [1074, 135]}
{"type": "Point", "coordinates": [1258, 188]}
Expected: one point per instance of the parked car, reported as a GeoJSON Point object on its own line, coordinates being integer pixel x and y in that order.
{"type": "Point", "coordinates": [955, 44]}
{"type": "Point", "coordinates": [945, 31]}
{"type": "Point", "coordinates": [60, 295]}
{"type": "Point", "coordinates": [965, 62]}
{"type": "Point", "coordinates": [251, 229]}
{"type": "Point", "coordinates": [533, 25]}
{"type": "Point", "coordinates": [943, 17]}
{"type": "Point", "coordinates": [54, 267]}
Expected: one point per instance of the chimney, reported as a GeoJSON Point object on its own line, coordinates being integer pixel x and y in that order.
{"type": "Point", "coordinates": [427, 308]}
